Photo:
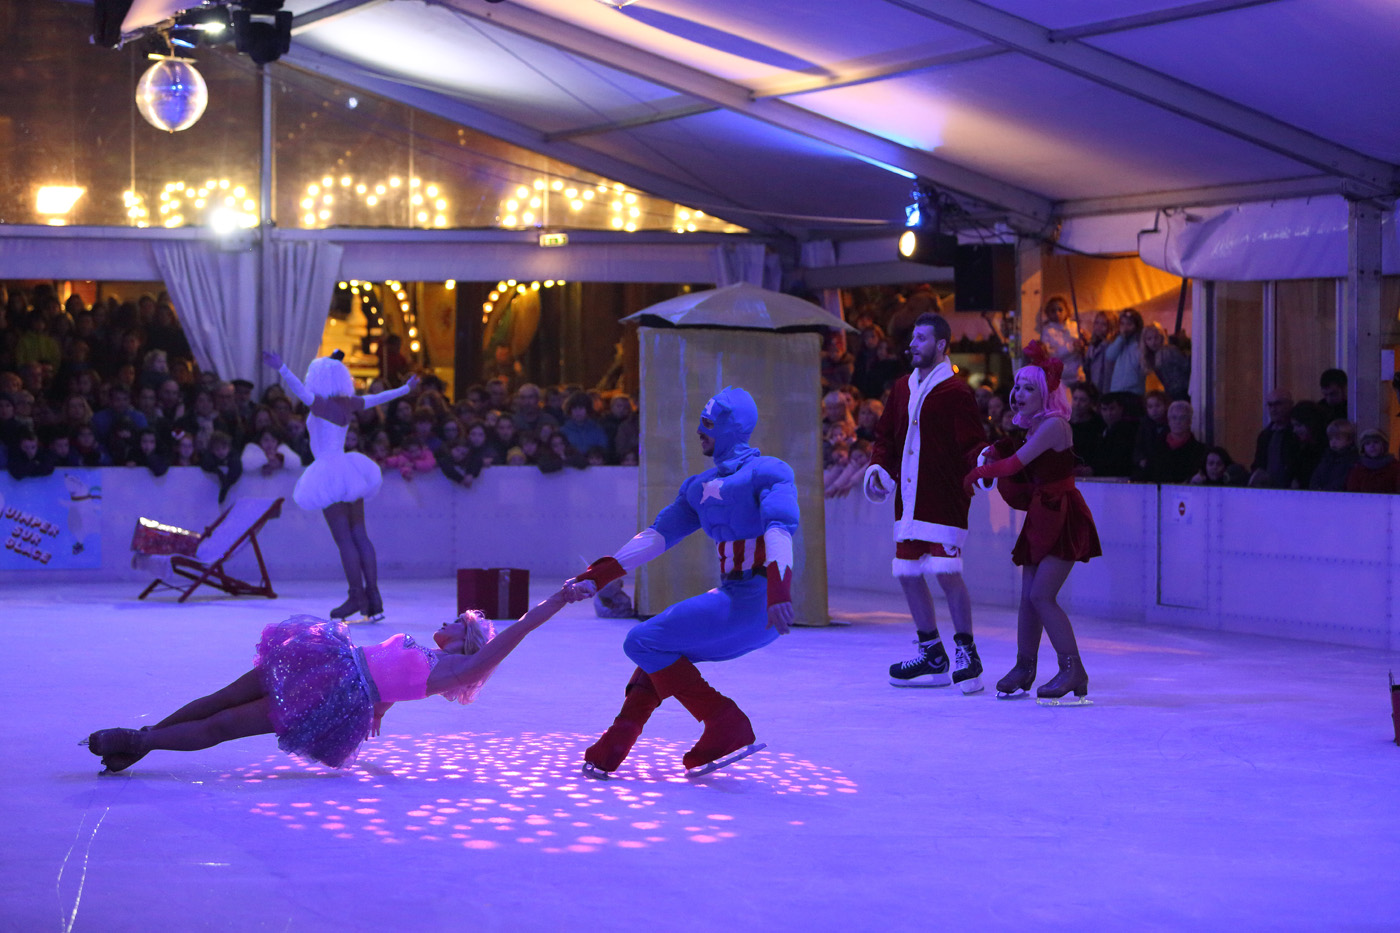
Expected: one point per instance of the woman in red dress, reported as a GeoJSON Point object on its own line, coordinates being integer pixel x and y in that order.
{"type": "Point", "coordinates": [1038, 477]}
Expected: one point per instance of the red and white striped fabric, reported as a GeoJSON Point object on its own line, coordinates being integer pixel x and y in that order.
{"type": "Point", "coordinates": [744, 554]}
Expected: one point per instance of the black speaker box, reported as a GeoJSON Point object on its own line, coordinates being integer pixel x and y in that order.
{"type": "Point", "coordinates": [984, 278]}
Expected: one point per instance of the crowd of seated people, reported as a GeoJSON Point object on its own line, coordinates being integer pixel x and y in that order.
{"type": "Point", "coordinates": [1130, 415]}
{"type": "Point", "coordinates": [116, 385]}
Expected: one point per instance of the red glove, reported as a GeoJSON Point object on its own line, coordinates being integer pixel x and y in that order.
{"type": "Point", "coordinates": [603, 571]}
{"type": "Point", "coordinates": [779, 584]}
{"type": "Point", "coordinates": [994, 470]}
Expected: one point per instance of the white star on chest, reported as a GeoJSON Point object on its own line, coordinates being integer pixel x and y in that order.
{"type": "Point", "coordinates": [712, 489]}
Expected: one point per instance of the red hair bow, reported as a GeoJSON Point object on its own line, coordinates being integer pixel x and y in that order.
{"type": "Point", "coordinates": [1053, 367]}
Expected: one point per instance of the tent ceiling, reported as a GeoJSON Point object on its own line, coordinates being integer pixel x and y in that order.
{"type": "Point", "coordinates": [810, 116]}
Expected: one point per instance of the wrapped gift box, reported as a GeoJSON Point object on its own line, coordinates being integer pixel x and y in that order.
{"type": "Point", "coordinates": [158, 540]}
{"type": "Point", "coordinates": [499, 592]}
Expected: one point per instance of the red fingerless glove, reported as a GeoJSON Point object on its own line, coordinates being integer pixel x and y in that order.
{"type": "Point", "coordinates": [779, 584]}
{"type": "Point", "coordinates": [994, 470]}
{"type": "Point", "coordinates": [603, 571]}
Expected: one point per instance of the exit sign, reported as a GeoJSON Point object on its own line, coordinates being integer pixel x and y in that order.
{"type": "Point", "coordinates": [554, 239]}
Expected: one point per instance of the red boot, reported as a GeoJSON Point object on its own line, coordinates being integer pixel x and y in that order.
{"type": "Point", "coordinates": [727, 729]}
{"type": "Point", "coordinates": [605, 755]}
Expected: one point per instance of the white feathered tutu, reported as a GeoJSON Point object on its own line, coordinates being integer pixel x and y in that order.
{"type": "Point", "coordinates": [336, 475]}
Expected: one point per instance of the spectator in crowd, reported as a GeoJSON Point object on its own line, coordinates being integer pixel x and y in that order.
{"type": "Point", "coordinates": [268, 454]}
{"type": "Point", "coordinates": [1276, 449]}
{"type": "Point", "coordinates": [1178, 456]}
{"type": "Point", "coordinates": [1377, 469]}
{"type": "Point", "coordinates": [184, 454]}
{"type": "Point", "coordinates": [425, 428]}
{"type": "Point", "coordinates": [623, 425]}
{"type": "Point", "coordinates": [37, 345]}
{"type": "Point", "coordinates": [1334, 395]}
{"type": "Point", "coordinates": [996, 410]}
{"type": "Point", "coordinates": [580, 430]}
{"type": "Point", "coordinates": [228, 418]}
{"type": "Point", "coordinates": [459, 463]}
{"type": "Point", "coordinates": [1161, 359]}
{"type": "Point", "coordinates": [506, 438]}
{"type": "Point", "coordinates": [10, 426]}
{"type": "Point", "coordinates": [564, 452]}
{"type": "Point", "coordinates": [85, 447]}
{"type": "Point", "coordinates": [155, 369]}
{"type": "Point", "coordinates": [1220, 470]}
{"type": "Point", "coordinates": [516, 457]}
{"type": "Point", "coordinates": [27, 460]}
{"type": "Point", "coordinates": [1308, 426]}
{"type": "Point", "coordinates": [298, 440]}
{"type": "Point", "coordinates": [529, 414]}
{"type": "Point", "coordinates": [1113, 455]}
{"type": "Point", "coordinates": [837, 366]}
{"type": "Point", "coordinates": [1124, 355]}
{"type": "Point", "coordinates": [60, 452]}
{"type": "Point", "coordinates": [1151, 428]}
{"type": "Point", "coordinates": [148, 453]}
{"type": "Point", "coordinates": [380, 449]}
{"type": "Point", "coordinates": [1331, 472]}
{"type": "Point", "coordinates": [220, 462]}
{"type": "Point", "coordinates": [121, 444]}
{"type": "Point", "coordinates": [398, 422]}
{"type": "Point", "coordinates": [867, 417]}
{"type": "Point", "coordinates": [413, 457]}
{"type": "Point", "coordinates": [118, 408]}
{"type": "Point", "coordinates": [171, 401]}
{"type": "Point", "coordinates": [1085, 423]}
{"type": "Point", "coordinates": [836, 416]}
{"type": "Point", "coordinates": [395, 367]}
{"type": "Point", "coordinates": [1059, 334]}
{"type": "Point", "coordinates": [482, 450]}
{"type": "Point", "coordinates": [76, 411]}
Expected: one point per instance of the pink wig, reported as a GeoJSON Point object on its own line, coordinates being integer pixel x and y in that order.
{"type": "Point", "coordinates": [1056, 402]}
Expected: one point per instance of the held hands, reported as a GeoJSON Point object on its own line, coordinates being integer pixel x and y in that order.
{"type": "Point", "coordinates": [271, 358]}
{"type": "Point", "coordinates": [412, 382]}
{"type": "Point", "coordinates": [574, 591]}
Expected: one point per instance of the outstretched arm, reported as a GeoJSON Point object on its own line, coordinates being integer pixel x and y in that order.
{"type": "Point", "coordinates": [454, 670]}
{"type": "Point", "coordinates": [294, 385]}
{"type": "Point", "coordinates": [673, 523]}
{"type": "Point", "coordinates": [379, 398]}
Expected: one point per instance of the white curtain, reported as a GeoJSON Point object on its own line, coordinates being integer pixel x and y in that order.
{"type": "Point", "coordinates": [301, 283]}
{"type": "Point", "coordinates": [747, 262]}
{"type": "Point", "coordinates": [215, 297]}
{"type": "Point", "coordinates": [821, 254]}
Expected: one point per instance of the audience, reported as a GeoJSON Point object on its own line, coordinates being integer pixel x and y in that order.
{"type": "Point", "coordinates": [1178, 456]}
{"type": "Point", "coordinates": [1377, 469]}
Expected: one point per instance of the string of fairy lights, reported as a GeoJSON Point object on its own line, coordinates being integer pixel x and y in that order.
{"type": "Point", "coordinates": [398, 201]}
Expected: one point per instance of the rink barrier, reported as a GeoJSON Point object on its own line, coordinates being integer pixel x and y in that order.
{"type": "Point", "coordinates": [1305, 565]}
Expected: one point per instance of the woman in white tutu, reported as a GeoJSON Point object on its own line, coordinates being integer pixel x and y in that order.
{"type": "Point", "coordinates": [338, 481]}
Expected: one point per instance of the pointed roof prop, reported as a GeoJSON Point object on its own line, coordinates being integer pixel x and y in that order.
{"type": "Point", "coordinates": [739, 306]}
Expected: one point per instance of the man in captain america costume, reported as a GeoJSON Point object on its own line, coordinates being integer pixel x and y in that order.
{"type": "Point", "coordinates": [746, 503]}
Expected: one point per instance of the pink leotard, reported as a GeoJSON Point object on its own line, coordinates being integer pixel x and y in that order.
{"type": "Point", "coordinates": [399, 668]}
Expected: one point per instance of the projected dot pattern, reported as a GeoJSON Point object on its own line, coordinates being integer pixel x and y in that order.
{"type": "Point", "coordinates": [488, 791]}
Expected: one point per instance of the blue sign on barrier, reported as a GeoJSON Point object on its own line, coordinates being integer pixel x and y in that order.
{"type": "Point", "coordinates": [52, 522]}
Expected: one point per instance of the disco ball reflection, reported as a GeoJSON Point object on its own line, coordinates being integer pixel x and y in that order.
{"type": "Point", "coordinates": [485, 791]}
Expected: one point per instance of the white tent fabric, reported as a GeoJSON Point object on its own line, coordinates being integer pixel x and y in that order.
{"type": "Point", "coordinates": [1293, 239]}
{"type": "Point", "coordinates": [214, 294]}
{"type": "Point", "coordinates": [809, 117]}
{"type": "Point", "coordinates": [303, 277]}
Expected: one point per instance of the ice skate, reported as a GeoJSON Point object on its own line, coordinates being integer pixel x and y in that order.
{"type": "Point", "coordinates": [729, 759]}
{"type": "Point", "coordinates": [607, 754]}
{"type": "Point", "coordinates": [929, 668]}
{"type": "Point", "coordinates": [1019, 680]}
{"type": "Point", "coordinates": [352, 608]}
{"type": "Point", "coordinates": [119, 749]}
{"type": "Point", "coordinates": [1070, 679]}
{"type": "Point", "coordinates": [374, 606]}
{"type": "Point", "coordinates": [967, 666]}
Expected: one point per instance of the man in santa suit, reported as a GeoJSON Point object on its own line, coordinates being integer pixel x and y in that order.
{"type": "Point", "coordinates": [925, 442]}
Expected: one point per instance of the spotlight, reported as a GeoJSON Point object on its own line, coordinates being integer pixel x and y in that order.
{"type": "Point", "coordinates": [924, 242]}
{"type": "Point", "coordinates": [262, 30]}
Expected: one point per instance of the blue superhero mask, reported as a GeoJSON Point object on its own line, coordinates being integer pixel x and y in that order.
{"type": "Point", "coordinates": [729, 419]}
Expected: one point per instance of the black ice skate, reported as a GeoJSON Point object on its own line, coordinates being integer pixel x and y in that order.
{"type": "Point", "coordinates": [1070, 680]}
{"type": "Point", "coordinates": [374, 605]}
{"type": "Point", "coordinates": [352, 607]}
{"type": "Point", "coordinates": [967, 666]}
{"type": "Point", "coordinates": [929, 668]}
{"type": "Point", "coordinates": [1019, 680]}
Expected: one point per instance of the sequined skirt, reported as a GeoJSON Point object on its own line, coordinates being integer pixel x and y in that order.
{"type": "Point", "coordinates": [319, 702]}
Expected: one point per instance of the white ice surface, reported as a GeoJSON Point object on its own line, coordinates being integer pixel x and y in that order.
{"type": "Point", "coordinates": [1220, 782]}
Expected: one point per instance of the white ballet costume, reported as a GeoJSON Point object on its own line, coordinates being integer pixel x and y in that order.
{"type": "Point", "coordinates": [335, 475]}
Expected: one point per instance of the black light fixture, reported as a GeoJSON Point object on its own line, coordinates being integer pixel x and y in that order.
{"type": "Point", "coordinates": [262, 30]}
{"type": "Point", "coordinates": [923, 240]}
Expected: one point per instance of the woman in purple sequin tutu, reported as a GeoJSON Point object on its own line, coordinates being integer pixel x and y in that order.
{"type": "Point", "coordinates": [323, 696]}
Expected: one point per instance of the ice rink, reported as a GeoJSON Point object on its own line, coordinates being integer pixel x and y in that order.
{"type": "Point", "coordinates": [1220, 782]}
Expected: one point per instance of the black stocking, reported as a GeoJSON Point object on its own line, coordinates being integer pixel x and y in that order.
{"type": "Point", "coordinates": [369, 563]}
{"type": "Point", "coordinates": [338, 519]}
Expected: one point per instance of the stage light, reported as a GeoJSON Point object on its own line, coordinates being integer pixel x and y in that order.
{"type": "Point", "coordinates": [57, 200]}
{"type": "Point", "coordinates": [924, 242]}
{"type": "Point", "coordinates": [262, 31]}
